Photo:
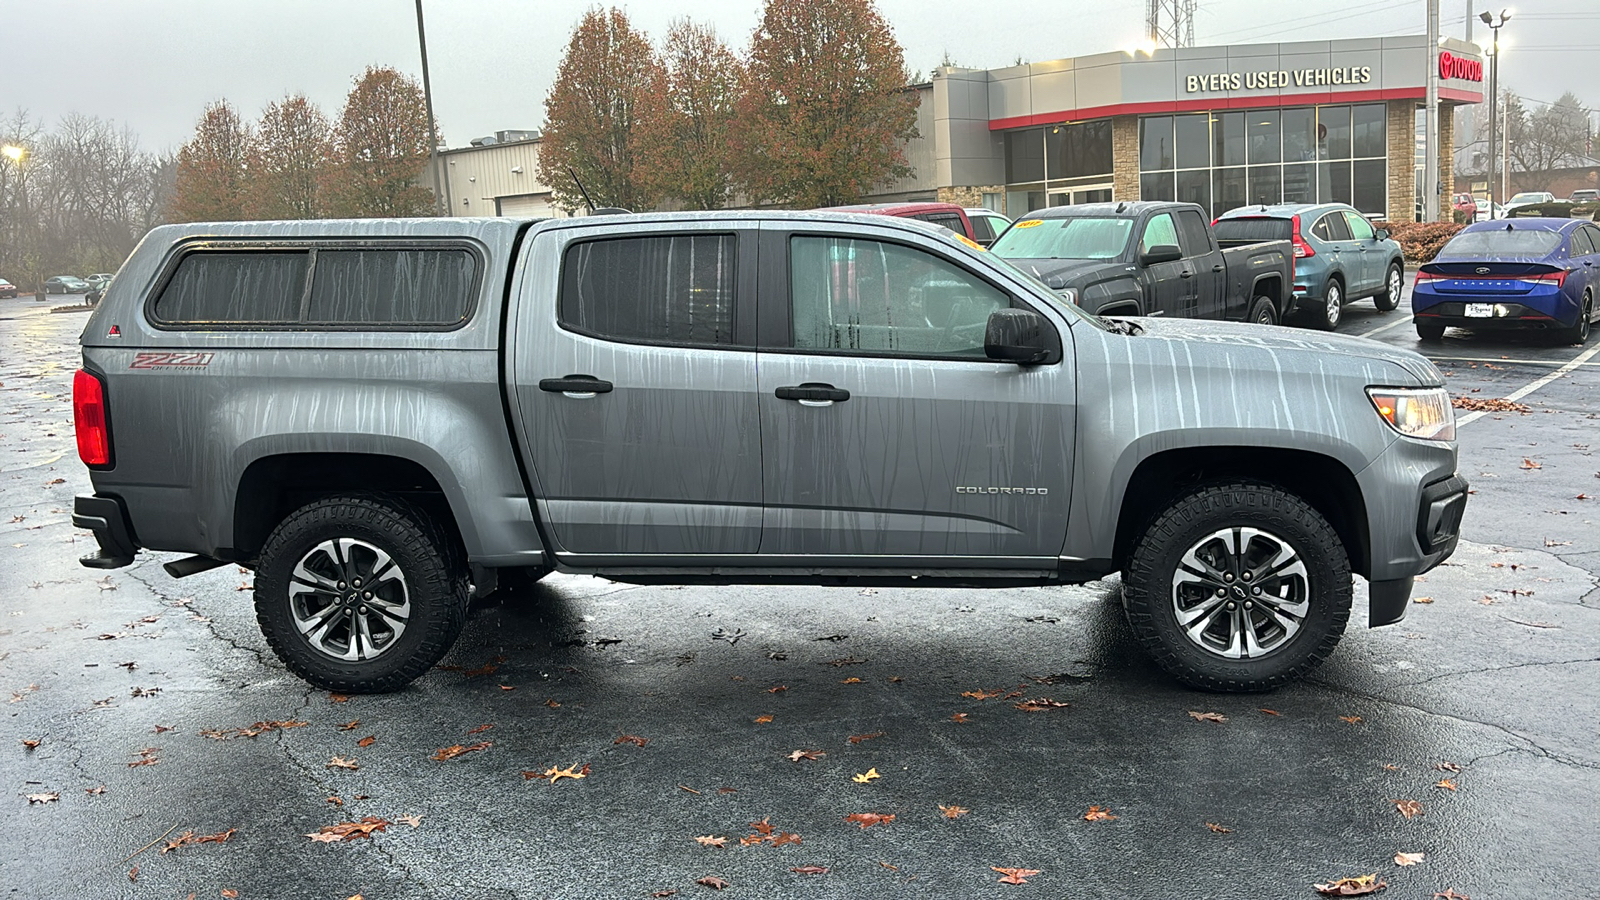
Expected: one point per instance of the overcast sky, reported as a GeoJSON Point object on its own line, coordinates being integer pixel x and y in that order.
{"type": "Point", "coordinates": [154, 64]}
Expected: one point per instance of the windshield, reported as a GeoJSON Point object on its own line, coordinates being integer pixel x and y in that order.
{"type": "Point", "coordinates": [1074, 237]}
{"type": "Point", "coordinates": [1501, 242]}
{"type": "Point", "coordinates": [1534, 196]}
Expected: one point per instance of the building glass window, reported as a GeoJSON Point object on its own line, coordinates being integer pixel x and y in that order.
{"type": "Point", "coordinates": [1333, 132]}
{"type": "Point", "coordinates": [1194, 186]}
{"type": "Point", "coordinates": [1156, 186]}
{"type": "Point", "coordinates": [1193, 140]}
{"type": "Point", "coordinates": [1227, 132]}
{"type": "Point", "coordinates": [1025, 155]}
{"type": "Point", "coordinates": [1265, 136]}
{"type": "Point", "coordinates": [1155, 144]}
{"type": "Point", "coordinates": [1230, 190]}
{"type": "Point", "coordinates": [1266, 184]}
{"type": "Point", "coordinates": [1367, 129]}
{"type": "Point", "coordinates": [1079, 150]}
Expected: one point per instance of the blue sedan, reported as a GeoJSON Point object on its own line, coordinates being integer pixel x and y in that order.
{"type": "Point", "coordinates": [1512, 273]}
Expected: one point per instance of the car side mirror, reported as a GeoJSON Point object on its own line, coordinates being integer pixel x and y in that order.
{"type": "Point", "coordinates": [1382, 234]}
{"type": "Point", "coordinates": [1160, 253]}
{"type": "Point", "coordinates": [1016, 335]}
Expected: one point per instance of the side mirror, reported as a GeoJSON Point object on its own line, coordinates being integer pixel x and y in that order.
{"type": "Point", "coordinates": [1015, 335]}
{"type": "Point", "coordinates": [1382, 234]}
{"type": "Point", "coordinates": [1160, 253]}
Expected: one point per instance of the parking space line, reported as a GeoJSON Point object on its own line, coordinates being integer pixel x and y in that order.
{"type": "Point", "coordinates": [1529, 388]}
{"type": "Point", "coordinates": [1402, 320]}
{"type": "Point", "coordinates": [1501, 360]}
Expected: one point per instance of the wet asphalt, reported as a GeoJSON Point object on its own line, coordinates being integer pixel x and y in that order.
{"type": "Point", "coordinates": [1481, 707]}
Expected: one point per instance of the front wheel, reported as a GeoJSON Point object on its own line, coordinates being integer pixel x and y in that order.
{"type": "Point", "coordinates": [1238, 587]}
{"type": "Point", "coordinates": [1263, 311]}
{"type": "Point", "coordinates": [1389, 300]}
{"type": "Point", "coordinates": [360, 594]}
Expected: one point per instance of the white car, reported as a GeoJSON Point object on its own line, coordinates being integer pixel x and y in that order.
{"type": "Point", "coordinates": [1482, 215]}
{"type": "Point", "coordinates": [986, 224]}
{"type": "Point", "coordinates": [1530, 198]}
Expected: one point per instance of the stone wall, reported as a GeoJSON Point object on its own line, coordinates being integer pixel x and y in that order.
{"type": "Point", "coordinates": [1125, 158]}
{"type": "Point", "coordinates": [1447, 160]}
{"type": "Point", "coordinates": [1402, 131]}
{"type": "Point", "coordinates": [971, 195]}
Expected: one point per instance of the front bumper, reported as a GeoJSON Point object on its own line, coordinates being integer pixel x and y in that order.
{"type": "Point", "coordinates": [108, 519]}
{"type": "Point", "coordinates": [1439, 511]}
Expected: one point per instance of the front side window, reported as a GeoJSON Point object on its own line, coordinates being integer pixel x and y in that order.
{"type": "Point", "coordinates": [668, 289]}
{"type": "Point", "coordinates": [874, 297]}
{"type": "Point", "coordinates": [1158, 232]}
{"type": "Point", "coordinates": [1360, 228]}
{"type": "Point", "coordinates": [235, 288]}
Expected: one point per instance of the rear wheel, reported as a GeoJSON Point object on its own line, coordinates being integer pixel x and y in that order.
{"type": "Point", "coordinates": [1579, 332]}
{"type": "Point", "coordinates": [1263, 311]}
{"type": "Point", "coordinates": [360, 594]}
{"type": "Point", "coordinates": [1238, 587]}
{"type": "Point", "coordinates": [1393, 285]}
{"type": "Point", "coordinates": [1430, 333]}
{"type": "Point", "coordinates": [1330, 313]}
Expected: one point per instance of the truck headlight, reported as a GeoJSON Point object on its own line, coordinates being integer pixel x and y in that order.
{"type": "Point", "coordinates": [1423, 413]}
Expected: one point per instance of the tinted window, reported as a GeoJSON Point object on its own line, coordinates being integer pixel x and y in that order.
{"type": "Point", "coordinates": [1591, 236]}
{"type": "Point", "coordinates": [1500, 242]}
{"type": "Point", "coordinates": [247, 287]}
{"type": "Point", "coordinates": [1159, 231]}
{"type": "Point", "coordinates": [418, 287]}
{"type": "Point", "coordinates": [1157, 186]}
{"type": "Point", "coordinates": [1252, 230]}
{"type": "Point", "coordinates": [1331, 227]}
{"type": "Point", "coordinates": [1077, 237]}
{"type": "Point", "coordinates": [948, 220]}
{"type": "Point", "coordinates": [1192, 230]}
{"type": "Point", "coordinates": [981, 230]}
{"type": "Point", "coordinates": [675, 290]}
{"type": "Point", "coordinates": [1025, 155]}
{"type": "Point", "coordinates": [1360, 228]}
{"type": "Point", "coordinates": [876, 297]}
{"type": "Point", "coordinates": [1264, 136]}
{"type": "Point", "coordinates": [1193, 140]}
{"type": "Point", "coordinates": [1155, 144]}
{"type": "Point", "coordinates": [1368, 131]}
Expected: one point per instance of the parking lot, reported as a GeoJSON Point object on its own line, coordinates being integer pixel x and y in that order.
{"type": "Point", "coordinates": [583, 735]}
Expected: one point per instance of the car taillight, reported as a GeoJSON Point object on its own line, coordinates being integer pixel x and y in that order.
{"type": "Point", "coordinates": [1554, 279]}
{"type": "Point", "coordinates": [1426, 276]}
{"type": "Point", "coordinates": [1301, 248]}
{"type": "Point", "coordinates": [89, 419]}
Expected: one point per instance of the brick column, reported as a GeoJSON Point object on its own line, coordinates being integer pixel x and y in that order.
{"type": "Point", "coordinates": [1125, 158]}
{"type": "Point", "coordinates": [968, 195]}
{"type": "Point", "coordinates": [1447, 161]}
{"type": "Point", "coordinates": [1402, 135]}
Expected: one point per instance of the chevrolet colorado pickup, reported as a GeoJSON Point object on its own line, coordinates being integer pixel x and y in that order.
{"type": "Point", "coordinates": [383, 417]}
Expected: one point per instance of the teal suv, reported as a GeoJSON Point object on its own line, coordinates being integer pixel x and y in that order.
{"type": "Point", "coordinates": [1338, 256]}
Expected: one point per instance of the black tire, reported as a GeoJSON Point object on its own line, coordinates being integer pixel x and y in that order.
{"type": "Point", "coordinates": [1192, 525]}
{"type": "Point", "coordinates": [432, 580]}
{"type": "Point", "coordinates": [1263, 311]}
{"type": "Point", "coordinates": [1330, 312]}
{"type": "Point", "coordinates": [1394, 284]}
{"type": "Point", "coordinates": [1579, 332]}
{"type": "Point", "coordinates": [1431, 334]}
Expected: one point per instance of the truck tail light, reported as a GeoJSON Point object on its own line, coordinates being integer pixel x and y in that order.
{"type": "Point", "coordinates": [1301, 248]}
{"type": "Point", "coordinates": [89, 419]}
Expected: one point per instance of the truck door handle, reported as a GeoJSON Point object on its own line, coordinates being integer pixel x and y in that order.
{"type": "Point", "coordinates": [813, 394]}
{"type": "Point", "coordinates": [1217, 268]}
{"type": "Point", "coordinates": [1185, 274]}
{"type": "Point", "coordinates": [579, 387]}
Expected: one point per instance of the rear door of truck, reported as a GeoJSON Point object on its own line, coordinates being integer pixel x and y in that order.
{"type": "Point", "coordinates": [632, 375]}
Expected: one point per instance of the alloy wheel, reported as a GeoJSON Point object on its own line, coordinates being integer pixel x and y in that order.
{"type": "Point", "coordinates": [1241, 593]}
{"type": "Point", "coordinates": [1335, 304]}
{"type": "Point", "coordinates": [349, 599]}
{"type": "Point", "coordinates": [1396, 283]}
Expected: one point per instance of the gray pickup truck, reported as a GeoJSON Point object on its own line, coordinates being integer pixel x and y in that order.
{"type": "Point", "coordinates": [383, 417]}
{"type": "Point", "coordinates": [1151, 259]}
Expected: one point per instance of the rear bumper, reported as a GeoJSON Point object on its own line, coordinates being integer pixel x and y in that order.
{"type": "Point", "coordinates": [1508, 314]}
{"type": "Point", "coordinates": [108, 519]}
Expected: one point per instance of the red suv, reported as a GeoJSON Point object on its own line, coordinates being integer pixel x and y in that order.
{"type": "Point", "coordinates": [949, 215]}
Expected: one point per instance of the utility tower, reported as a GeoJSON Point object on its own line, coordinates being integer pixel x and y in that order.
{"type": "Point", "coordinates": [1170, 23]}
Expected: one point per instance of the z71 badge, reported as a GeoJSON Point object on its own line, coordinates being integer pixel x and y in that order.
{"type": "Point", "coordinates": [153, 360]}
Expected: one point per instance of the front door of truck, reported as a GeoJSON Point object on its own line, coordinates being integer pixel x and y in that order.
{"type": "Point", "coordinates": [887, 434]}
{"type": "Point", "coordinates": [1166, 290]}
{"type": "Point", "coordinates": [633, 376]}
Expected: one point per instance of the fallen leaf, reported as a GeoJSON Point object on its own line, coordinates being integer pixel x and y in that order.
{"type": "Point", "coordinates": [1098, 814]}
{"type": "Point", "coordinates": [1407, 808]}
{"type": "Point", "coordinates": [981, 695]}
{"type": "Point", "coordinates": [133, 874]}
{"type": "Point", "coordinates": [480, 729]}
{"type": "Point", "coordinates": [1351, 719]}
{"type": "Point", "coordinates": [785, 837]}
{"type": "Point", "coordinates": [338, 698]}
{"type": "Point", "coordinates": [961, 718]}
{"type": "Point", "coordinates": [727, 790]}
{"type": "Point", "coordinates": [351, 725]}
{"type": "Point", "coordinates": [230, 894]}
{"type": "Point", "coordinates": [953, 812]}
{"type": "Point", "coordinates": [336, 800]}
{"type": "Point", "coordinates": [1445, 783]}
{"type": "Point", "coordinates": [553, 703]}
{"type": "Point", "coordinates": [763, 827]}
{"type": "Point", "coordinates": [668, 892]}
{"type": "Point", "coordinates": [415, 821]}
{"type": "Point", "coordinates": [750, 840]}
{"type": "Point", "coordinates": [681, 787]}
{"type": "Point", "coordinates": [95, 790]}
{"type": "Point", "coordinates": [367, 741]}
{"type": "Point", "coordinates": [1271, 712]}
{"type": "Point", "coordinates": [1014, 876]}
{"type": "Point", "coordinates": [31, 743]}
{"type": "Point", "coordinates": [810, 870]}
{"type": "Point", "coordinates": [1450, 894]}
{"type": "Point", "coordinates": [571, 771]}
{"type": "Point", "coordinates": [1446, 767]}
{"type": "Point", "coordinates": [867, 820]}
{"type": "Point", "coordinates": [507, 687]}
{"type": "Point", "coordinates": [160, 728]}
{"type": "Point", "coordinates": [1407, 859]}
{"type": "Point", "coordinates": [633, 739]}
{"type": "Point", "coordinates": [1421, 599]}
{"type": "Point", "coordinates": [712, 881]}
{"type": "Point", "coordinates": [456, 750]}
{"type": "Point", "coordinates": [339, 762]}
{"type": "Point", "coordinates": [349, 831]}
{"type": "Point", "coordinates": [1207, 716]}
{"type": "Point", "coordinates": [844, 661]}
{"type": "Point", "coordinates": [707, 840]}
{"type": "Point", "coordinates": [1530, 464]}
{"type": "Point", "coordinates": [762, 720]}
{"type": "Point", "coordinates": [863, 778]}
{"type": "Point", "coordinates": [851, 680]}
{"type": "Point", "coordinates": [147, 757]}
{"type": "Point", "coordinates": [1351, 887]}
{"type": "Point", "coordinates": [1219, 829]}
{"type": "Point", "coordinates": [858, 738]}
{"type": "Point", "coordinates": [189, 837]}
{"type": "Point", "coordinates": [53, 796]}
{"type": "Point", "coordinates": [1039, 704]}
{"type": "Point", "coordinates": [486, 669]}
{"type": "Point", "coordinates": [251, 731]}
{"type": "Point", "coordinates": [806, 754]}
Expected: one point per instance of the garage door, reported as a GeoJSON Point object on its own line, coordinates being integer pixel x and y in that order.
{"type": "Point", "coordinates": [525, 205]}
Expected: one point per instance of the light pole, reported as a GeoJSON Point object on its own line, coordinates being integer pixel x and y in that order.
{"type": "Point", "coordinates": [1494, 91]}
{"type": "Point", "coordinates": [440, 185]}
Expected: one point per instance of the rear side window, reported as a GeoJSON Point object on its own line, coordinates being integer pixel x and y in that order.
{"type": "Point", "coordinates": [244, 288]}
{"type": "Point", "coordinates": [319, 288]}
{"type": "Point", "coordinates": [414, 287]}
{"type": "Point", "coordinates": [1253, 229]}
{"type": "Point", "coordinates": [667, 289]}
{"type": "Point", "coordinates": [1582, 241]}
{"type": "Point", "coordinates": [948, 220]}
{"type": "Point", "coordinates": [1192, 229]}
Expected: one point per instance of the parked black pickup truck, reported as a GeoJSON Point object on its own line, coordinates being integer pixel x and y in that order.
{"type": "Point", "coordinates": [1150, 259]}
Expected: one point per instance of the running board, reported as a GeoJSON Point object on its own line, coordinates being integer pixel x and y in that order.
{"type": "Point", "coordinates": [194, 565]}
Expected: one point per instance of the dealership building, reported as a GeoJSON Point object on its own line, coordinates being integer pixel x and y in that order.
{"type": "Point", "coordinates": [1219, 126]}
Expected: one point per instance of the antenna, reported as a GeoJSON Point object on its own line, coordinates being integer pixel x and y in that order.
{"type": "Point", "coordinates": [579, 182]}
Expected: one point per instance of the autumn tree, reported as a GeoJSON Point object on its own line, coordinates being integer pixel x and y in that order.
{"type": "Point", "coordinates": [687, 141]}
{"type": "Point", "coordinates": [211, 168]}
{"type": "Point", "coordinates": [381, 148]}
{"type": "Point", "coordinates": [826, 110]}
{"type": "Point", "coordinates": [608, 84]}
{"type": "Point", "coordinates": [287, 161]}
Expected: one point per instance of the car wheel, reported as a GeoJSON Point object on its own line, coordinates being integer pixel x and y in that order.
{"type": "Point", "coordinates": [1430, 333]}
{"type": "Point", "coordinates": [1331, 312]}
{"type": "Point", "coordinates": [1238, 587]}
{"type": "Point", "coordinates": [1389, 300]}
{"type": "Point", "coordinates": [1579, 332]}
{"type": "Point", "coordinates": [360, 594]}
{"type": "Point", "coordinates": [1263, 311]}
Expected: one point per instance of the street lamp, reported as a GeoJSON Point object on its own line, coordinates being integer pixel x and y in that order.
{"type": "Point", "coordinates": [1494, 92]}
{"type": "Point", "coordinates": [14, 152]}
